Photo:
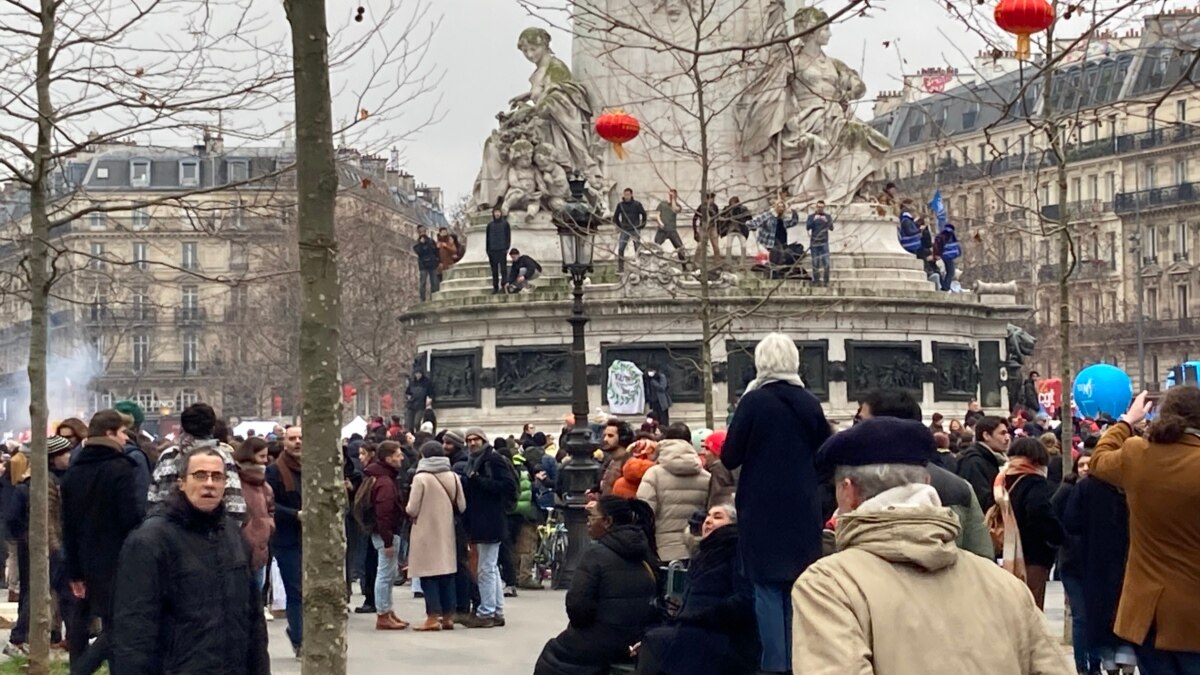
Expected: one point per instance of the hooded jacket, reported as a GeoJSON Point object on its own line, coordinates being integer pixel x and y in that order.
{"type": "Point", "coordinates": [675, 487]}
{"type": "Point", "coordinates": [897, 587]}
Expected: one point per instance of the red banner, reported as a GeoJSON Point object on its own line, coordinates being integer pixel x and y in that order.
{"type": "Point", "coordinates": [1050, 394]}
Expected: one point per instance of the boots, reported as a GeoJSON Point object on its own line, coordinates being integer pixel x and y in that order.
{"type": "Point", "coordinates": [448, 622]}
{"type": "Point", "coordinates": [432, 623]}
{"type": "Point", "coordinates": [389, 621]}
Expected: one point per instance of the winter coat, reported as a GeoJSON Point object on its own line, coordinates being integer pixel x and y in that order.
{"type": "Point", "coordinates": [144, 472]}
{"type": "Point", "coordinates": [978, 465]}
{"type": "Point", "coordinates": [1096, 513]}
{"type": "Point", "coordinates": [612, 469]}
{"type": "Point", "coordinates": [886, 602]}
{"type": "Point", "coordinates": [427, 254]}
{"type": "Point", "coordinates": [489, 485]}
{"type": "Point", "coordinates": [1041, 533]}
{"type": "Point", "coordinates": [417, 391]}
{"type": "Point", "coordinates": [287, 509]}
{"type": "Point", "coordinates": [722, 485]}
{"type": "Point", "coordinates": [658, 393]}
{"type": "Point", "coordinates": [632, 472]}
{"type": "Point", "coordinates": [432, 544]}
{"type": "Point", "coordinates": [187, 602]}
{"type": "Point", "coordinates": [525, 507]}
{"type": "Point", "coordinates": [956, 494]}
{"type": "Point", "coordinates": [447, 252]}
{"type": "Point", "coordinates": [1071, 553]}
{"type": "Point", "coordinates": [260, 516]}
{"type": "Point", "coordinates": [498, 238]}
{"type": "Point", "coordinates": [385, 501]}
{"type": "Point", "coordinates": [774, 439]}
{"type": "Point", "coordinates": [99, 510]}
{"type": "Point", "coordinates": [629, 216]}
{"type": "Point", "coordinates": [16, 514]}
{"type": "Point", "coordinates": [675, 487]}
{"type": "Point", "coordinates": [946, 460]}
{"type": "Point", "coordinates": [714, 631]}
{"type": "Point", "coordinates": [1162, 578]}
{"type": "Point", "coordinates": [609, 605]}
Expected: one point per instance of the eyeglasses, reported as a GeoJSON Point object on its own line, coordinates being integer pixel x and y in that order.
{"type": "Point", "coordinates": [475, 439]}
{"type": "Point", "coordinates": [205, 476]}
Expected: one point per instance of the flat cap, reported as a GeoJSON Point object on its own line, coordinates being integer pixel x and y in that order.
{"type": "Point", "coordinates": [880, 440]}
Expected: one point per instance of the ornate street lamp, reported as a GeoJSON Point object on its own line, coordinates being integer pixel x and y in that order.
{"type": "Point", "coordinates": [577, 223]}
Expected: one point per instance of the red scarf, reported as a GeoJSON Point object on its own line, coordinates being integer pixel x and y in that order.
{"type": "Point", "coordinates": [289, 469]}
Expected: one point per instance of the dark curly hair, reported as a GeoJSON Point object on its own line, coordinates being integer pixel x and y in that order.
{"type": "Point", "coordinates": [630, 512]}
{"type": "Point", "coordinates": [1178, 411]}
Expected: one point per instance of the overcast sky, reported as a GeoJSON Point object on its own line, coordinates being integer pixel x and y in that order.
{"type": "Point", "coordinates": [476, 49]}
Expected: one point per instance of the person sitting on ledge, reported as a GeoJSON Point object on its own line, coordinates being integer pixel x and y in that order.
{"type": "Point", "coordinates": [524, 270]}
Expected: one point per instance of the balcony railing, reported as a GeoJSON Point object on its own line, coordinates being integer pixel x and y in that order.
{"type": "Point", "coordinates": [185, 315]}
{"type": "Point", "coordinates": [154, 368]}
{"type": "Point", "coordinates": [1157, 198]}
{"type": "Point", "coordinates": [1078, 210]}
{"type": "Point", "coordinates": [1012, 270]}
{"type": "Point", "coordinates": [1084, 269]}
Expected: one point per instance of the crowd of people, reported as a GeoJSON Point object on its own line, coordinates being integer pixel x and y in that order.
{"type": "Point", "coordinates": [878, 543]}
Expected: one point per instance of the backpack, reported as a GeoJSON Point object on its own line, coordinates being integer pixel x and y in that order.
{"type": "Point", "coordinates": [363, 508]}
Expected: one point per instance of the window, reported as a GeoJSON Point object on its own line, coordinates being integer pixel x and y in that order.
{"type": "Point", "coordinates": [912, 167]}
{"type": "Point", "coordinates": [99, 303]}
{"type": "Point", "coordinates": [102, 400]}
{"type": "Point", "coordinates": [239, 214]}
{"type": "Point", "coordinates": [190, 302]}
{"type": "Point", "coordinates": [140, 219]}
{"type": "Point", "coordinates": [1151, 304]}
{"type": "Point", "coordinates": [239, 170]}
{"type": "Point", "coordinates": [191, 352]}
{"type": "Point", "coordinates": [1181, 241]}
{"type": "Point", "coordinates": [1112, 249]}
{"type": "Point", "coordinates": [1181, 171]}
{"type": "Point", "coordinates": [1181, 301]}
{"type": "Point", "coordinates": [101, 173]}
{"type": "Point", "coordinates": [1093, 187]}
{"type": "Point", "coordinates": [1151, 122]}
{"type": "Point", "coordinates": [141, 255]}
{"type": "Point", "coordinates": [1076, 190]}
{"type": "Point", "coordinates": [145, 399]}
{"type": "Point", "coordinates": [189, 172]}
{"type": "Point", "coordinates": [1150, 243]}
{"type": "Point", "coordinates": [238, 260]}
{"type": "Point", "coordinates": [141, 352]}
{"type": "Point", "coordinates": [96, 220]}
{"type": "Point", "coordinates": [982, 153]}
{"type": "Point", "coordinates": [186, 398]}
{"type": "Point", "coordinates": [139, 173]}
{"type": "Point", "coordinates": [1150, 173]}
{"type": "Point", "coordinates": [191, 261]}
{"type": "Point", "coordinates": [1181, 110]}
{"type": "Point", "coordinates": [1112, 126]}
{"type": "Point", "coordinates": [140, 302]}
{"type": "Point", "coordinates": [96, 253]}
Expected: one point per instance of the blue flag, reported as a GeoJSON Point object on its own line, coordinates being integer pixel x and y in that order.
{"type": "Point", "coordinates": [938, 206]}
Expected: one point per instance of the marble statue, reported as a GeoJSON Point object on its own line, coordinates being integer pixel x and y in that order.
{"type": "Point", "coordinates": [544, 134]}
{"type": "Point", "coordinates": [796, 117]}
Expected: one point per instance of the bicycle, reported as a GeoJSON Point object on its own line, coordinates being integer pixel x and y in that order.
{"type": "Point", "coordinates": [551, 551]}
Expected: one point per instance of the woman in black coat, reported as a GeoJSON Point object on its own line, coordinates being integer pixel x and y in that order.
{"type": "Point", "coordinates": [611, 599]}
{"type": "Point", "coordinates": [713, 631]}
{"type": "Point", "coordinates": [1041, 533]}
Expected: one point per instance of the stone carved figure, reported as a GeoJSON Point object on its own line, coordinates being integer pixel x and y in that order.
{"type": "Point", "coordinates": [557, 113]}
{"type": "Point", "coordinates": [536, 374]}
{"type": "Point", "coordinates": [1020, 346]}
{"type": "Point", "coordinates": [797, 116]}
{"type": "Point", "coordinates": [957, 372]}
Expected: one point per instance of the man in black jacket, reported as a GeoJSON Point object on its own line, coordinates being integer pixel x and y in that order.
{"type": "Point", "coordinates": [524, 270]}
{"type": "Point", "coordinates": [186, 599]}
{"type": "Point", "coordinates": [284, 478]}
{"type": "Point", "coordinates": [498, 241]}
{"type": "Point", "coordinates": [980, 463]}
{"type": "Point", "coordinates": [99, 510]}
{"type": "Point", "coordinates": [630, 218]}
{"type": "Point", "coordinates": [427, 263]}
{"type": "Point", "coordinates": [491, 490]}
{"type": "Point", "coordinates": [417, 396]}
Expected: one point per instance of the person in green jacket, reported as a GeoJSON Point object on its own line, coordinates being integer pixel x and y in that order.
{"type": "Point", "coordinates": [522, 523]}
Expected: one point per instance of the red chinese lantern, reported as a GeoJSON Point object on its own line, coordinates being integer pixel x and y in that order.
{"type": "Point", "coordinates": [1024, 18]}
{"type": "Point", "coordinates": [349, 391]}
{"type": "Point", "coordinates": [618, 127]}
{"type": "Point", "coordinates": [385, 402]}
{"type": "Point", "coordinates": [276, 405]}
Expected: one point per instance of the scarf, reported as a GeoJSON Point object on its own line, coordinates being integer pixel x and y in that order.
{"type": "Point", "coordinates": [433, 465]}
{"type": "Point", "coordinates": [790, 378]}
{"type": "Point", "coordinates": [289, 468]}
{"type": "Point", "coordinates": [252, 473]}
{"type": "Point", "coordinates": [1013, 558]}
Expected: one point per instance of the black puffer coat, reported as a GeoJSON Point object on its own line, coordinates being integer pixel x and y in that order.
{"type": "Point", "coordinates": [609, 605]}
{"type": "Point", "coordinates": [714, 632]}
{"type": "Point", "coordinates": [185, 601]}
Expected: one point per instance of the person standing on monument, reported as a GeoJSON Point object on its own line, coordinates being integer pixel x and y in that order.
{"type": "Point", "coordinates": [427, 263]}
{"type": "Point", "coordinates": [820, 224]}
{"type": "Point", "coordinates": [773, 229]}
{"type": "Point", "coordinates": [704, 226]}
{"type": "Point", "coordinates": [630, 218]}
{"type": "Point", "coordinates": [666, 217]}
{"type": "Point", "coordinates": [498, 240]}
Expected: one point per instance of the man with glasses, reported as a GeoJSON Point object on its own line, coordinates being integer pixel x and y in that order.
{"type": "Point", "coordinates": [981, 462]}
{"type": "Point", "coordinates": [491, 490]}
{"type": "Point", "coordinates": [99, 510]}
{"type": "Point", "coordinates": [186, 573]}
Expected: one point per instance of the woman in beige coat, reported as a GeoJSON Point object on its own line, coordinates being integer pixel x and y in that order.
{"type": "Point", "coordinates": [675, 488]}
{"type": "Point", "coordinates": [435, 501]}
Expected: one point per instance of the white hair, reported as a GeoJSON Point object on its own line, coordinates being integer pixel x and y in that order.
{"type": "Point", "coordinates": [729, 509]}
{"type": "Point", "coordinates": [776, 356]}
{"type": "Point", "coordinates": [873, 479]}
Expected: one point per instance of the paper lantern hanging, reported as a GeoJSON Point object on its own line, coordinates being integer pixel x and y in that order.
{"type": "Point", "coordinates": [618, 127]}
{"type": "Point", "coordinates": [1024, 18]}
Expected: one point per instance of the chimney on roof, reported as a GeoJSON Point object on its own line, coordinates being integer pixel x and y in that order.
{"type": "Point", "coordinates": [214, 143]}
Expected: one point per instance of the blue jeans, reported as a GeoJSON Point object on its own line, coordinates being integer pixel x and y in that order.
{"type": "Point", "coordinates": [428, 282]}
{"type": "Point", "coordinates": [289, 560]}
{"type": "Point", "coordinates": [1153, 661]}
{"type": "Point", "coordinates": [260, 578]}
{"type": "Point", "coordinates": [491, 592]}
{"type": "Point", "coordinates": [820, 261]}
{"type": "Point", "coordinates": [949, 277]}
{"type": "Point", "coordinates": [623, 241]}
{"type": "Point", "coordinates": [1085, 661]}
{"type": "Point", "coordinates": [439, 594]}
{"type": "Point", "coordinates": [773, 610]}
{"type": "Point", "coordinates": [385, 573]}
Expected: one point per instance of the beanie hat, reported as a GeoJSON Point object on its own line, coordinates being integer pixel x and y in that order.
{"type": "Point", "coordinates": [715, 441]}
{"type": "Point", "coordinates": [133, 410]}
{"type": "Point", "coordinates": [56, 445]}
{"type": "Point", "coordinates": [454, 438]}
{"type": "Point", "coordinates": [476, 431]}
{"type": "Point", "coordinates": [880, 440]}
{"type": "Point", "coordinates": [427, 427]}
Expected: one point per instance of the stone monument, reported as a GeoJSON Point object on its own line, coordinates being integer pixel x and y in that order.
{"type": "Point", "coordinates": [501, 360]}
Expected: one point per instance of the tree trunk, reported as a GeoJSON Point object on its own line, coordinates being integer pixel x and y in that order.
{"type": "Point", "coordinates": [323, 536]}
{"type": "Point", "coordinates": [39, 292]}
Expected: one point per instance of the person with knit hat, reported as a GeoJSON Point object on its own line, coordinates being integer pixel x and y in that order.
{"type": "Point", "coordinates": [898, 583]}
{"type": "Point", "coordinates": [491, 490]}
{"type": "Point", "coordinates": [723, 484]}
{"type": "Point", "coordinates": [133, 448]}
{"type": "Point", "coordinates": [642, 455]}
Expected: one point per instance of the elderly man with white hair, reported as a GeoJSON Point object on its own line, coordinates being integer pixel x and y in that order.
{"type": "Point", "coordinates": [774, 437]}
{"type": "Point", "coordinates": [899, 596]}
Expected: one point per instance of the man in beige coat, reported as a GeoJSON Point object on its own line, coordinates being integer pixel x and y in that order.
{"type": "Point", "coordinates": [899, 597]}
{"type": "Point", "coordinates": [675, 488]}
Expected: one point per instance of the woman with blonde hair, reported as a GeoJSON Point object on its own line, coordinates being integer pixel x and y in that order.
{"type": "Point", "coordinates": [1054, 470]}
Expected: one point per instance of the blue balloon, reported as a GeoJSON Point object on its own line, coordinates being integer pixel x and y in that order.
{"type": "Point", "coordinates": [1102, 388]}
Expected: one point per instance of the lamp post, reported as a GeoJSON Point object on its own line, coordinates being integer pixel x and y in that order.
{"type": "Point", "coordinates": [576, 223]}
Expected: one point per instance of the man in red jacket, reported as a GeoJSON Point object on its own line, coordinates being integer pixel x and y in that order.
{"type": "Point", "coordinates": [385, 511]}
